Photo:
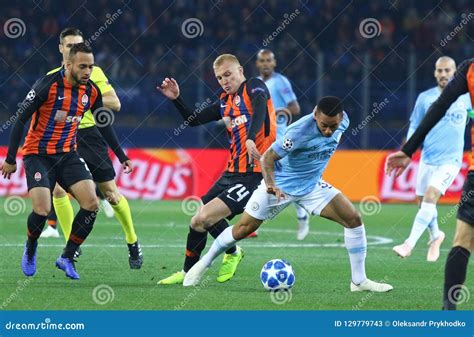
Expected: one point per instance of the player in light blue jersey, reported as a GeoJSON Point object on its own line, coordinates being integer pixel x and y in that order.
{"type": "Point", "coordinates": [286, 108]}
{"type": "Point", "coordinates": [292, 169]}
{"type": "Point", "coordinates": [441, 159]}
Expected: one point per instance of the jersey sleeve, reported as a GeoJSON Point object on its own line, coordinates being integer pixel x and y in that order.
{"type": "Point", "coordinates": [101, 80]}
{"type": "Point", "coordinates": [286, 91]}
{"type": "Point", "coordinates": [288, 143]}
{"type": "Point", "coordinates": [416, 116]}
{"type": "Point", "coordinates": [258, 94]}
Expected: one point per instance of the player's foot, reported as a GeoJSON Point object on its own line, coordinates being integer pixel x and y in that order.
{"type": "Point", "coordinates": [369, 285]}
{"type": "Point", "coordinates": [433, 251]}
{"type": "Point", "coordinates": [50, 232]}
{"type": "Point", "coordinates": [303, 228]}
{"type": "Point", "coordinates": [135, 255]}
{"type": "Point", "coordinates": [28, 261]}
{"type": "Point", "coordinates": [176, 278]}
{"type": "Point", "coordinates": [67, 266]}
{"type": "Point", "coordinates": [194, 275]}
{"type": "Point", "coordinates": [403, 250]}
{"type": "Point", "coordinates": [229, 265]}
{"type": "Point", "coordinates": [107, 208]}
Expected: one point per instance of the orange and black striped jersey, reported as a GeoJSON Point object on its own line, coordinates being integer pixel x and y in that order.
{"type": "Point", "coordinates": [462, 82]}
{"type": "Point", "coordinates": [238, 113]}
{"type": "Point", "coordinates": [56, 108]}
{"type": "Point", "coordinates": [248, 114]}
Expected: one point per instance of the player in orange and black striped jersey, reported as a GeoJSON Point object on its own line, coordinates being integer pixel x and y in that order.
{"type": "Point", "coordinates": [463, 243]}
{"type": "Point", "coordinates": [247, 110]}
{"type": "Point", "coordinates": [56, 105]}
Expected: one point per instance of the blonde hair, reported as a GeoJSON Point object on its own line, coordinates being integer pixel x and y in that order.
{"type": "Point", "coordinates": [225, 57]}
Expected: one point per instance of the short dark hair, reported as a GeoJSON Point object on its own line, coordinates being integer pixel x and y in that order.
{"type": "Point", "coordinates": [79, 48]}
{"type": "Point", "coordinates": [69, 31]}
{"type": "Point", "coordinates": [330, 106]}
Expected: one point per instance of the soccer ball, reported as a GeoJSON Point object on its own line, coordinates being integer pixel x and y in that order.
{"type": "Point", "coordinates": [277, 274]}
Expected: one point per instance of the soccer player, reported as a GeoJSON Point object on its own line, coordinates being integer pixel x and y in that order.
{"type": "Point", "coordinates": [286, 107]}
{"type": "Point", "coordinates": [247, 109]}
{"type": "Point", "coordinates": [292, 169]}
{"type": "Point", "coordinates": [440, 161]}
{"type": "Point", "coordinates": [93, 149]}
{"type": "Point", "coordinates": [463, 244]}
{"type": "Point", "coordinates": [56, 104]}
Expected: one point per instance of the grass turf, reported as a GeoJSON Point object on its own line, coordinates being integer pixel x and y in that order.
{"type": "Point", "coordinates": [321, 265]}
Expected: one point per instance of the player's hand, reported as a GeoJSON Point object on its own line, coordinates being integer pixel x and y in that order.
{"type": "Point", "coordinates": [7, 170]}
{"type": "Point", "coordinates": [271, 189]}
{"type": "Point", "coordinates": [252, 150]}
{"type": "Point", "coordinates": [169, 88]}
{"type": "Point", "coordinates": [127, 166]}
{"type": "Point", "coordinates": [396, 162]}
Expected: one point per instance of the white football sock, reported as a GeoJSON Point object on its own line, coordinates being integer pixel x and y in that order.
{"type": "Point", "coordinates": [300, 212]}
{"type": "Point", "coordinates": [434, 228]}
{"type": "Point", "coordinates": [425, 215]}
{"type": "Point", "coordinates": [223, 242]}
{"type": "Point", "coordinates": [356, 245]}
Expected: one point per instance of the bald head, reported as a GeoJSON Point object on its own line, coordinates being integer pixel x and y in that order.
{"type": "Point", "coordinates": [445, 68]}
{"type": "Point", "coordinates": [266, 63]}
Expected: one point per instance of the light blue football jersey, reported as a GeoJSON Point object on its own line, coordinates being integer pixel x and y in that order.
{"type": "Point", "coordinates": [282, 94]}
{"type": "Point", "coordinates": [444, 144]}
{"type": "Point", "coordinates": [305, 153]}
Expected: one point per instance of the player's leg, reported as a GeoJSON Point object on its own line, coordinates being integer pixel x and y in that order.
{"type": "Point", "coordinates": [74, 175]}
{"type": "Point", "coordinates": [463, 244]}
{"type": "Point", "coordinates": [124, 215]}
{"type": "Point", "coordinates": [329, 202]}
{"type": "Point", "coordinates": [51, 230]}
{"type": "Point", "coordinates": [303, 222]}
{"type": "Point", "coordinates": [39, 179]}
{"type": "Point", "coordinates": [258, 208]}
{"type": "Point", "coordinates": [62, 205]}
{"type": "Point", "coordinates": [104, 203]}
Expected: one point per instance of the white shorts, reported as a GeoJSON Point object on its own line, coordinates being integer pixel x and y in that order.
{"type": "Point", "coordinates": [264, 206]}
{"type": "Point", "coordinates": [440, 177]}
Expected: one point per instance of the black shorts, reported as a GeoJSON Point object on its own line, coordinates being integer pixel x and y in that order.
{"type": "Point", "coordinates": [93, 148]}
{"type": "Point", "coordinates": [234, 189]}
{"type": "Point", "coordinates": [466, 204]}
{"type": "Point", "coordinates": [64, 168]}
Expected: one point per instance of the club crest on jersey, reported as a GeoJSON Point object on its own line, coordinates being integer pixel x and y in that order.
{"type": "Point", "coordinates": [37, 176]}
{"type": "Point", "coordinates": [237, 100]}
{"type": "Point", "coordinates": [84, 100]}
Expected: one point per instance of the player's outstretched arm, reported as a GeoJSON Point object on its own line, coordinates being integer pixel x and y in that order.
{"type": "Point", "coordinates": [268, 171]}
{"type": "Point", "coordinates": [170, 89]}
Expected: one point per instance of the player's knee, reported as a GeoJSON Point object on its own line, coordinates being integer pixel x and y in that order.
{"type": "Point", "coordinates": [112, 196]}
{"type": "Point", "coordinates": [42, 210]}
{"type": "Point", "coordinates": [196, 224]}
{"type": "Point", "coordinates": [205, 219]}
{"type": "Point", "coordinates": [90, 204]}
{"type": "Point", "coordinates": [355, 220]}
{"type": "Point", "coordinates": [58, 192]}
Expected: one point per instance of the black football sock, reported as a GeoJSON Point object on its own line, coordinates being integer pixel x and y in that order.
{"type": "Point", "coordinates": [195, 244]}
{"type": "Point", "coordinates": [81, 228]}
{"type": "Point", "coordinates": [35, 226]}
{"type": "Point", "coordinates": [217, 229]}
{"type": "Point", "coordinates": [454, 276]}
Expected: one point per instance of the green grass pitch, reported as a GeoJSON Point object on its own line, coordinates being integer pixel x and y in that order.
{"type": "Point", "coordinates": [321, 266]}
